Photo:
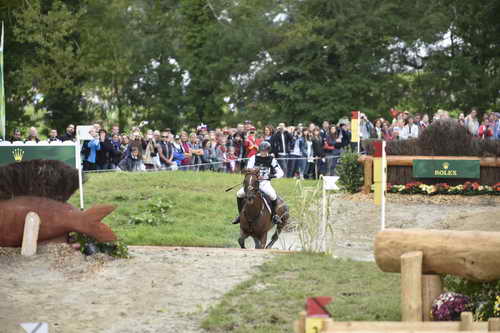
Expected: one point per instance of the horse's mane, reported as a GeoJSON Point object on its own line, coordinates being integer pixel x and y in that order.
{"type": "Point", "coordinates": [41, 178]}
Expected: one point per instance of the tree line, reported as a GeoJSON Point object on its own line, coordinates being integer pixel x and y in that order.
{"type": "Point", "coordinates": [177, 63]}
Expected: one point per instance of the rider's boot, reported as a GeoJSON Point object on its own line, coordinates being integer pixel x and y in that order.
{"type": "Point", "coordinates": [273, 211]}
{"type": "Point", "coordinates": [241, 202]}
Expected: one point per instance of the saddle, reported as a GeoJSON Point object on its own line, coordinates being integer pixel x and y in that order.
{"type": "Point", "coordinates": [281, 207]}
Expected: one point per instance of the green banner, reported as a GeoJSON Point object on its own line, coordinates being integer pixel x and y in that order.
{"type": "Point", "coordinates": [13, 153]}
{"type": "Point", "coordinates": [446, 169]}
{"type": "Point", "coordinates": [3, 135]}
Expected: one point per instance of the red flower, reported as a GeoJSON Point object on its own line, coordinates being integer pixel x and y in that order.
{"type": "Point", "coordinates": [467, 186]}
{"type": "Point", "coordinates": [442, 186]}
{"type": "Point", "coordinates": [475, 186]}
{"type": "Point", "coordinates": [496, 187]}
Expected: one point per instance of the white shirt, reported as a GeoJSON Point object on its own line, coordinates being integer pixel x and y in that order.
{"type": "Point", "coordinates": [409, 132]}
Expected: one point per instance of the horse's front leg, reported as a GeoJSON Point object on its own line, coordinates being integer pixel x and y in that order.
{"type": "Point", "coordinates": [241, 240]}
{"type": "Point", "coordinates": [275, 237]}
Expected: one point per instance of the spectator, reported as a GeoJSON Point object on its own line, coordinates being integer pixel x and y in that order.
{"type": "Point", "coordinates": [325, 129]}
{"type": "Point", "coordinates": [70, 133]}
{"type": "Point", "coordinates": [471, 123]}
{"type": "Point", "coordinates": [150, 157]}
{"type": "Point", "coordinates": [309, 162]}
{"type": "Point", "coordinates": [124, 142]}
{"type": "Point", "coordinates": [410, 130]}
{"type": "Point", "coordinates": [16, 136]}
{"type": "Point", "coordinates": [186, 150]}
{"type": "Point", "coordinates": [32, 135]}
{"type": "Point", "coordinates": [251, 145]}
{"type": "Point", "coordinates": [105, 151]}
{"type": "Point", "coordinates": [178, 151]}
{"type": "Point", "coordinates": [297, 152]}
{"type": "Point", "coordinates": [116, 153]}
{"type": "Point", "coordinates": [387, 132]}
{"type": "Point", "coordinates": [424, 123]}
{"type": "Point", "coordinates": [319, 154]}
{"type": "Point", "coordinates": [485, 131]}
{"type": "Point", "coordinates": [196, 150]}
{"type": "Point", "coordinates": [365, 127]}
{"type": "Point", "coordinates": [268, 133]}
{"type": "Point", "coordinates": [280, 143]}
{"type": "Point", "coordinates": [239, 151]}
{"type": "Point", "coordinates": [53, 136]}
{"type": "Point", "coordinates": [376, 132]}
{"type": "Point", "coordinates": [133, 162]}
{"type": "Point", "coordinates": [115, 130]}
{"type": "Point", "coordinates": [231, 159]}
{"type": "Point", "coordinates": [332, 146]}
{"type": "Point", "coordinates": [166, 151]}
{"type": "Point", "coordinates": [89, 149]}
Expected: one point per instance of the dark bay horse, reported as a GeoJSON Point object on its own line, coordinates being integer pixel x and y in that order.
{"type": "Point", "coordinates": [255, 217]}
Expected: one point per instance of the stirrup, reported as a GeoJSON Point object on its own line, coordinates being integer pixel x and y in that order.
{"type": "Point", "coordinates": [236, 220]}
{"type": "Point", "coordinates": [276, 219]}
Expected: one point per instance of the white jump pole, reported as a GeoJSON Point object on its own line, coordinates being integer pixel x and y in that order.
{"type": "Point", "coordinates": [78, 158]}
{"type": "Point", "coordinates": [322, 239]}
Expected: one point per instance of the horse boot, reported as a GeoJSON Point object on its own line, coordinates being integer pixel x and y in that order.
{"type": "Point", "coordinates": [241, 202]}
{"type": "Point", "coordinates": [275, 218]}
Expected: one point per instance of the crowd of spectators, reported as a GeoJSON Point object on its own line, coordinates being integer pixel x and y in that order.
{"type": "Point", "coordinates": [303, 151]}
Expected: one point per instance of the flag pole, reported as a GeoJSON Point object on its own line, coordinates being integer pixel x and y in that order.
{"type": "Point", "coordinates": [79, 167]}
{"type": "Point", "coordinates": [3, 135]}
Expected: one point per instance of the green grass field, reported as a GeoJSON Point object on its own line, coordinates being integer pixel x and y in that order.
{"type": "Point", "coordinates": [270, 301]}
{"type": "Point", "coordinates": [188, 208]}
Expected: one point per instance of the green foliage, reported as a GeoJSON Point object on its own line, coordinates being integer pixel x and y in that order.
{"type": "Point", "coordinates": [485, 296]}
{"type": "Point", "coordinates": [175, 63]}
{"type": "Point", "coordinates": [154, 213]}
{"type": "Point", "coordinates": [350, 172]}
{"type": "Point", "coordinates": [116, 249]}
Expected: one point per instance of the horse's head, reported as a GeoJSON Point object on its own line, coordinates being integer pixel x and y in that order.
{"type": "Point", "coordinates": [251, 184]}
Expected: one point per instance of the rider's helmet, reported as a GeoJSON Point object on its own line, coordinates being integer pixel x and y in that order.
{"type": "Point", "coordinates": [264, 146]}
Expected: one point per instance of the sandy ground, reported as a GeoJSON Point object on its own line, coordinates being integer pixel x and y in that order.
{"type": "Point", "coordinates": [158, 290]}
{"type": "Point", "coordinates": [355, 219]}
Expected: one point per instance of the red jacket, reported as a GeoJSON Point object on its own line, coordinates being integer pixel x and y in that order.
{"type": "Point", "coordinates": [251, 146]}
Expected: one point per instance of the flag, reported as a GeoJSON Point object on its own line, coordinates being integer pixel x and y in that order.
{"type": "Point", "coordinates": [2, 93]}
{"type": "Point", "coordinates": [354, 126]}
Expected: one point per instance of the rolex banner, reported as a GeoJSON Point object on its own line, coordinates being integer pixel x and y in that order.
{"type": "Point", "coordinates": [13, 153]}
{"type": "Point", "coordinates": [446, 169]}
{"type": "Point", "coordinates": [3, 135]}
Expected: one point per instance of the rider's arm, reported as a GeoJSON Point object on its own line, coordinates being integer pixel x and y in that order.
{"type": "Point", "coordinates": [251, 162]}
{"type": "Point", "coordinates": [278, 172]}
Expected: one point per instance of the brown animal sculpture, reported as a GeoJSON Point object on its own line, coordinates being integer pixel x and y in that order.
{"type": "Point", "coordinates": [43, 187]}
{"type": "Point", "coordinates": [57, 220]}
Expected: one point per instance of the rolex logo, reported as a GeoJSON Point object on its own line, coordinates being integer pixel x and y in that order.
{"type": "Point", "coordinates": [446, 165]}
{"type": "Point", "coordinates": [18, 154]}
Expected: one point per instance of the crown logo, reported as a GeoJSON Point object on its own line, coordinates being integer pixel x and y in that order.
{"type": "Point", "coordinates": [18, 154]}
{"type": "Point", "coordinates": [446, 165]}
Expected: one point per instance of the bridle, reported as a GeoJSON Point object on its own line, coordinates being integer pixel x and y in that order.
{"type": "Point", "coordinates": [252, 193]}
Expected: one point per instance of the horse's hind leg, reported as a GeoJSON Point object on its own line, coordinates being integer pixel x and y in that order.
{"type": "Point", "coordinates": [258, 243]}
{"type": "Point", "coordinates": [275, 237]}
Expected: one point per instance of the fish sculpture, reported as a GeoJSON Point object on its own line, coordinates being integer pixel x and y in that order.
{"type": "Point", "coordinates": [57, 220]}
{"type": "Point", "coordinates": [43, 187]}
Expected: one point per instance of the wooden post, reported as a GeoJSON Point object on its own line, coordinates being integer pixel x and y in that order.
{"type": "Point", "coordinates": [368, 175]}
{"type": "Point", "coordinates": [30, 236]}
{"type": "Point", "coordinates": [432, 287]}
{"type": "Point", "coordinates": [466, 321]}
{"type": "Point", "coordinates": [494, 325]}
{"type": "Point", "coordinates": [300, 325]}
{"type": "Point", "coordinates": [411, 286]}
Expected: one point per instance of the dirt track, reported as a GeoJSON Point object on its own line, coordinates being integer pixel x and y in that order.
{"type": "Point", "coordinates": [157, 290]}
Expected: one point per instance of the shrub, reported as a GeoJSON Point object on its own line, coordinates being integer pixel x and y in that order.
{"type": "Point", "coordinates": [350, 172]}
{"type": "Point", "coordinates": [155, 213]}
{"type": "Point", "coordinates": [484, 296]}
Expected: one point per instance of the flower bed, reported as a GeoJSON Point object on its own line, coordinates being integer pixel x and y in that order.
{"type": "Point", "coordinates": [468, 188]}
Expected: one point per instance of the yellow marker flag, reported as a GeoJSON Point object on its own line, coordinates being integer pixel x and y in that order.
{"type": "Point", "coordinates": [354, 126]}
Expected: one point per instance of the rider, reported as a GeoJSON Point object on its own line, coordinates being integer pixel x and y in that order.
{"type": "Point", "coordinates": [269, 168]}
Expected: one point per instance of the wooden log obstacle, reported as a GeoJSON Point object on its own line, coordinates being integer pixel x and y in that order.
{"type": "Point", "coordinates": [420, 255]}
{"type": "Point", "coordinates": [466, 324]}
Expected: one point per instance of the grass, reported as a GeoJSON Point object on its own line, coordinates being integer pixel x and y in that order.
{"type": "Point", "coordinates": [271, 300]}
{"type": "Point", "coordinates": [173, 208]}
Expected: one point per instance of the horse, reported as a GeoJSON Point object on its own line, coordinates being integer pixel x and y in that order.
{"type": "Point", "coordinates": [255, 217]}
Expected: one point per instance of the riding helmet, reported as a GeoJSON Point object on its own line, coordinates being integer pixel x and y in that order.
{"type": "Point", "coordinates": [264, 146]}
